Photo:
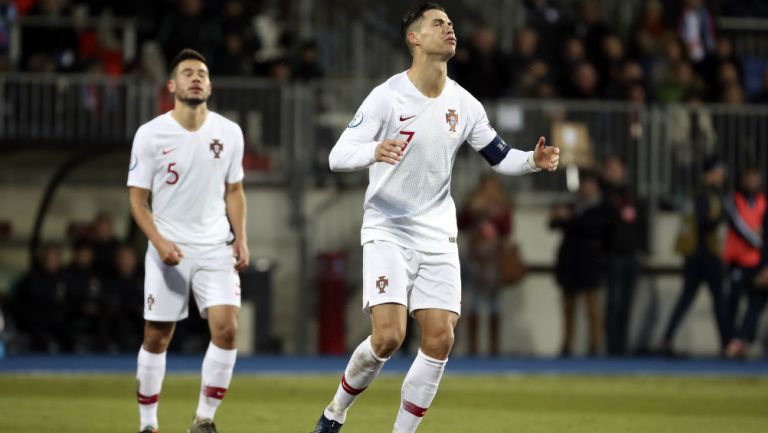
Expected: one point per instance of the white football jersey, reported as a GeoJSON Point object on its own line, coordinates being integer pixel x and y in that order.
{"type": "Point", "coordinates": [410, 203]}
{"type": "Point", "coordinates": [187, 173]}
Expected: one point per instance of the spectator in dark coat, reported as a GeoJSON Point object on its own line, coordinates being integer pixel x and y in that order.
{"type": "Point", "coordinates": [699, 243]}
{"type": "Point", "coordinates": [38, 304]}
{"type": "Point", "coordinates": [580, 258]}
{"type": "Point", "coordinates": [625, 239]}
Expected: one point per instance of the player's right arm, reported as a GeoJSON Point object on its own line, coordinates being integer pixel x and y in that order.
{"type": "Point", "coordinates": [169, 252]}
{"type": "Point", "coordinates": [358, 147]}
{"type": "Point", "coordinates": [140, 175]}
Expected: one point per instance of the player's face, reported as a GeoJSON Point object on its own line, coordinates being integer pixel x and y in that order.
{"type": "Point", "coordinates": [436, 35]}
{"type": "Point", "coordinates": [191, 83]}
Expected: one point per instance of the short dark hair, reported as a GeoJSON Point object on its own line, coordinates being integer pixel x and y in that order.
{"type": "Point", "coordinates": [186, 54]}
{"type": "Point", "coordinates": [414, 14]}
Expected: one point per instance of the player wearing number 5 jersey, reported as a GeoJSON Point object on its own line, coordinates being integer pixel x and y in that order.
{"type": "Point", "coordinates": [407, 133]}
{"type": "Point", "coordinates": [190, 161]}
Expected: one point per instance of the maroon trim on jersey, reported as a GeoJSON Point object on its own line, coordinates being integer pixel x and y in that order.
{"type": "Point", "coordinates": [147, 399]}
{"type": "Point", "coordinates": [349, 389]}
{"type": "Point", "coordinates": [214, 392]}
{"type": "Point", "coordinates": [415, 410]}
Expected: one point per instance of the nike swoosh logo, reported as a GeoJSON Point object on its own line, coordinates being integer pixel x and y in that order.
{"type": "Point", "coordinates": [404, 118]}
{"type": "Point", "coordinates": [167, 151]}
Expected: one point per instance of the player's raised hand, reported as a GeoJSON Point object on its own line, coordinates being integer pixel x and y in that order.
{"type": "Point", "coordinates": [242, 256]}
{"type": "Point", "coordinates": [546, 157]}
{"type": "Point", "coordinates": [169, 252]}
{"type": "Point", "coordinates": [390, 151]}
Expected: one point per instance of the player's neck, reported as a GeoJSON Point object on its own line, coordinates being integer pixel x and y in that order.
{"type": "Point", "coordinates": [190, 117]}
{"type": "Point", "coordinates": [428, 76]}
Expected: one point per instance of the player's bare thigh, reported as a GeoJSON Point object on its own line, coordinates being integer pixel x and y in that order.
{"type": "Point", "coordinates": [436, 327]}
{"type": "Point", "coordinates": [388, 323]}
{"type": "Point", "coordinates": [222, 322]}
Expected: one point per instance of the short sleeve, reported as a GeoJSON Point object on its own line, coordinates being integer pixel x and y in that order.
{"type": "Point", "coordinates": [141, 167]}
{"type": "Point", "coordinates": [235, 173]}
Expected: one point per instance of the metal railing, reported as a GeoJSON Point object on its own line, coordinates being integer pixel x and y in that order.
{"type": "Point", "coordinates": [664, 145]}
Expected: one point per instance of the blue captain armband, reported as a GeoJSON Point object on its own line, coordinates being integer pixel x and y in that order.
{"type": "Point", "coordinates": [495, 151]}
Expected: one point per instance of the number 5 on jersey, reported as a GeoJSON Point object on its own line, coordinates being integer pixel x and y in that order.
{"type": "Point", "coordinates": [174, 175]}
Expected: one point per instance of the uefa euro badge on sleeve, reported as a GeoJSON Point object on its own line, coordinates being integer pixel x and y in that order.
{"type": "Point", "coordinates": [452, 119]}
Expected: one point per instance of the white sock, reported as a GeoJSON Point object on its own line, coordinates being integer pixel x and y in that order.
{"type": "Point", "coordinates": [217, 373]}
{"type": "Point", "coordinates": [419, 388]}
{"type": "Point", "coordinates": [149, 376]}
{"type": "Point", "coordinates": [362, 368]}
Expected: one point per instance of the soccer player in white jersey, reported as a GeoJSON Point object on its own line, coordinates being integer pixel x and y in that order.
{"type": "Point", "coordinates": [190, 161]}
{"type": "Point", "coordinates": [407, 133]}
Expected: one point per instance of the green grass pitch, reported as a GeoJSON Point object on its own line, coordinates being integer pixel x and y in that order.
{"type": "Point", "coordinates": [464, 404]}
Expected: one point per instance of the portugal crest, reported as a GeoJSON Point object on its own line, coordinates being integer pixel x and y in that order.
{"type": "Point", "coordinates": [382, 283]}
{"type": "Point", "coordinates": [150, 302]}
{"type": "Point", "coordinates": [216, 148]}
{"type": "Point", "coordinates": [452, 118]}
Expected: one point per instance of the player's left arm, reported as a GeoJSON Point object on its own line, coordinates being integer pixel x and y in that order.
{"type": "Point", "coordinates": [234, 198]}
{"type": "Point", "coordinates": [236, 210]}
{"type": "Point", "coordinates": [505, 159]}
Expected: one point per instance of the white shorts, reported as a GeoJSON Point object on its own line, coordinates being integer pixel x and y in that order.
{"type": "Point", "coordinates": [214, 281]}
{"type": "Point", "coordinates": [418, 280]}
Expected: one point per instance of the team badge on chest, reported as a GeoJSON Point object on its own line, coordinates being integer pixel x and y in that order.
{"type": "Point", "coordinates": [452, 119]}
{"type": "Point", "coordinates": [216, 147]}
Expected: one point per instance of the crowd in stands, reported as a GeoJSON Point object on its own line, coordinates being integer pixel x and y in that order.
{"type": "Point", "coordinates": [92, 303]}
{"type": "Point", "coordinates": [672, 53]}
{"type": "Point", "coordinates": [238, 37]}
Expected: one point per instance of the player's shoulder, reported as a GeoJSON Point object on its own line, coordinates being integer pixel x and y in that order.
{"type": "Point", "coordinates": [464, 94]}
{"type": "Point", "coordinates": [387, 90]}
{"type": "Point", "coordinates": [153, 126]}
{"type": "Point", "coordinates": [223, 122]}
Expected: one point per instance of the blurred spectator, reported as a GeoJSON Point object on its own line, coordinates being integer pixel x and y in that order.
{"type": "Point", "coordinates": [699, 244]}
{"type": "Point", "coordinates": [482, 72]}
{"type": "Point", "coordinates": [573, 54]}
{"type": "Point", "coordinates": [673, 53]}
{"type": "Point", "coordinates": [580, 259]}
{"type": "Point", "coordinates": [694, 134]}
{"type": "Point", "coordinates": [626, 238]}
{"type": "Point", "coordinates": [745, 211]}
{"type": "Point", "coordinates": [733, 95]}
{"type": "Point", "coordinates": [682, 83]}
{"type": "Point", "coordinates": [38, 304]}
{"type": "Point", "coordinates": [745, 334]}
{"type": "Point", "coordinates": [762, 97]}
{"type": "Point", "coordinates": [124, 302]}
{"type": "Point", "coordinates": [487, 217]}
{"type": "Point", "coordinates": [648, 35]}
{"type": "Point", "coordinates": [584, 82]}
{"type": "Point", "coordinates": [104, 244]}
{"type": "Point", "coordinates": [592, 29]}
{"type": "Point", "coordinates": [611, 60]}
{"type": "Point", "coordinates": [697, 30]}
{"type": "Point", "coordinates": [231, 59]}
{"type": "Point", "coordinates": [621, 87]}
{"type": "Point", "coordinates": [188, 27]}
{"type": "Point", "coordinates": [49, 48]}
{"type": "Point", "coordinates": [526, 70]}
{"type": "Point", "coordinates": [545, 19]}
{"type": "Point", "coordinates": [8, 14]}
{"type": "Point", "coordinates": [85, 313]}
{"type": "Point", "coordinates": [307, 67]}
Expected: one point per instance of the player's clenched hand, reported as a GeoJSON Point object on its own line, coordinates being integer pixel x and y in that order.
{"type": "Point", "coordinates": [169, 252]}
{"type": "Point", "coordinates": [390, 151]}
{"type": "Point", "coordinates": [546, 157]}
{"type": "Point", "coordinates": [242, 256]}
